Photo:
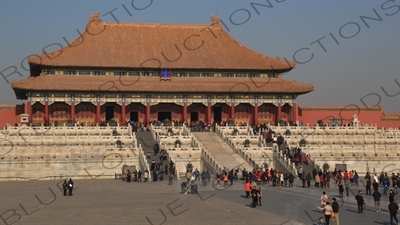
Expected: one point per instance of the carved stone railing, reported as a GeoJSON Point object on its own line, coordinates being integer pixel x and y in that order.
{"type": "Point", "coordinates": [286, 161]}
{"type": "Point", "coordinates": [143, 161]}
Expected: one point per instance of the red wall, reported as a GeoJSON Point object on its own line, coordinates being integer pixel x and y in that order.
{"type": "Point", "coordinates": [365, 117]}
{"type": "Point", "coordinates": [10, 114]}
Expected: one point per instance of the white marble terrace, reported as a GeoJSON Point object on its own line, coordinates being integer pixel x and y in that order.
{"type": "Point", "coordinates": [54, 152]}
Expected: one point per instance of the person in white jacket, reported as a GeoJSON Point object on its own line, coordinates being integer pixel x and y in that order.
{"type": "Point", "coordinates": [376, 178]}
{"type": "Point", "coordinates": [324, 199]}
{"type": "Point", "coordinates": [327, 209]}
{"type": "Point", "coordinates": [192, 179]}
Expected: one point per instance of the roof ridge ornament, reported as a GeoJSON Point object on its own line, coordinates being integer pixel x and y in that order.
{"type": "Point", "coordinates": [215, 20]}
{"type": "Point", "coordinates": [95, 17]}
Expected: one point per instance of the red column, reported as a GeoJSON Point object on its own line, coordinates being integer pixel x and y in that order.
{"type": "Point", "coordinates": [184, 117]}
{"type": "Point", "coordinates": [255, 111]}
{"type": "Point", "coordinates": [98, 113]}
{"type": "Point", "coordinates": [279, 113]}
{"type": "Point", "coordinates": [46, 112]}
{"type": "Point", "coordinates": [73, 111]}
{"type": "Point", "coordinates": [233, 111]}
{"type": "Point", "coordinates": [294, 113]}
{"type": "Point", "coordinates": [148, 113]}
{"type": "Point", "coordinates": [123, 114]}
{"type": "Point", "coordinates": [209, 113]}
{"type": "Point", "coordinates": [28, 110]}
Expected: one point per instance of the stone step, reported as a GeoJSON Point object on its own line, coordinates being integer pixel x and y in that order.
{"type": "Point", "coordinates": [222, 151]}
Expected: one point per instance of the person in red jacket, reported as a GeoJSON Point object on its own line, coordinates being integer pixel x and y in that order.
{"type": "Point", "coordinates": [226, 180]}
{"type": "Point", "coordinates": [345, 175]}
{"type": "Point", "coordinates": [247, 188]}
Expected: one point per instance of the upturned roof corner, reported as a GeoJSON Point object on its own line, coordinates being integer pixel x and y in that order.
{"type": "Point", "coordinates": [215, 20]}
{"type": "Point", "coordinates": [95, 17]}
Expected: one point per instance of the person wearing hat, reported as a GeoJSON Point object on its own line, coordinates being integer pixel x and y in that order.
{"type": "Point", "coordinates": [335, 209]}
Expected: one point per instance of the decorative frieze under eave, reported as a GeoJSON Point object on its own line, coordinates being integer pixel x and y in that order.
{"type": "Point", "coordinates": [155, 99]}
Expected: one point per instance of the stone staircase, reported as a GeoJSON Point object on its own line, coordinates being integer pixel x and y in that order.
{"type": "Point", "coordinates": [146, 140]}
{"type": "Point", "coordinates": [221, 151]}
{"type": "Point", "coordinates": [307, 168]}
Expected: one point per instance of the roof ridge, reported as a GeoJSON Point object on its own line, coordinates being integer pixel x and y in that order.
{"type": "Point", "coordinates": [277, 59]}
{"type": "Point", "coordinates": [151, 24]}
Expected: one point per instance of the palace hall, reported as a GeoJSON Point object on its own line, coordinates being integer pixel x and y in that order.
{"type": "Point", "coordinates": [152, 72]}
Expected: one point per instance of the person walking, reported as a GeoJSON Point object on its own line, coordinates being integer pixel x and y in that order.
{"type": "Point", "coordinates": [226, 180]}
{"type": "Point", "coordinates": [317, 180]}
{"type": "Point", "coordinates": [259, 195]}
{"type": "Point", "coordinates": [170, 179]}
{"type": "Point", "coordinates": [145, 175]}
{"type": "Point", "coordinates": [247, 188]}
{"type": "Point", "coordinates": [356, 177]}
{"type": "Point", "coordinates": [347, 186]}
{"type": "Point", "coordinates": [391, 195]}
{"type": "Point", "coordinates": [393, 209]}
{"type": "Point", "coordinates": [303, 179]}
{"type": "Point", "coordinates": [291, 180]}
{"type": "Point", "coordinates": [308, 178]}
{"type": "Point", "coordinates": [335, 209]}
{"type": "Point", "coordinates": [254, 196]}
{"type": "Point", "coordinates": [327, 180]}
{"type": "Point", "coordinates": [65, 187]}
{"type": "Point", "coordinates": [129, 176]}
{"type": "Point", "coordinates": [324, 198]}
{"type": "Point", "coordinates": [70, 186]}
{"type": "Point", "coordinates": [327, 209]}
{"type": "Point", "coordinates": [360, 202]}
{"type": "Point", "coordinates": [341, 189]}
{"type": "Point", "coordinates": [368, 187]}
{"type": "Point", "coordinates": [377, 200]}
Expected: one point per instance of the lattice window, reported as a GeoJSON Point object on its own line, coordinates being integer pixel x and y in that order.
{"type": "Point", "coordinates": [133, 73]}
{"type": "Point", "coordinates": [84, 72]}
{"type": "Point", "coordinates": [48, 71]}
{"type": "Point", "coordinates": [228, 75]}
{"type": "Point", "coordinates": [207, 74]}
{"type": "Point", "coordinates": [254, 75]}
{"type": "Point", "coordinates": [70, 72]}
{"type": "Point", "coordinates": [194, 74]}
{"type": "Point", "coordinates": [98, 73]}
{"type": "Point", "coordinates": [120, 73]}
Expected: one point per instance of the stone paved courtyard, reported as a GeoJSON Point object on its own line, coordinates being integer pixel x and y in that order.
{"type": "Point", "coordinates": [116, 202]}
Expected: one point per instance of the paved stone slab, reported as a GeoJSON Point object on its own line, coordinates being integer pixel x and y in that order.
{"type": "Point", "coordinates": [117, 202]}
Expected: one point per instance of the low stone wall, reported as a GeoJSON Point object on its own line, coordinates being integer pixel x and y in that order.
{"type": "Point", "coordinates": [169, 141]}
{"type": "Point", "coordinates": [228, 130]}
{"type": "Point", "coordinates": [163, 130]}
{"type": "Point", "coordinates": [62, 162]}
{"type": "Point", "coordinates": [332, 130]}
{"type": "Point", "coordinates": [363, 164]}
{"type": "Point", "coordinates": [64, 130]}
{"type": "Point", "coordinates": [182, 158]}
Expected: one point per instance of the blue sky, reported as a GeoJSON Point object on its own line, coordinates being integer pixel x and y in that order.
{"type": "Point", "coordinates": [365, 60]}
